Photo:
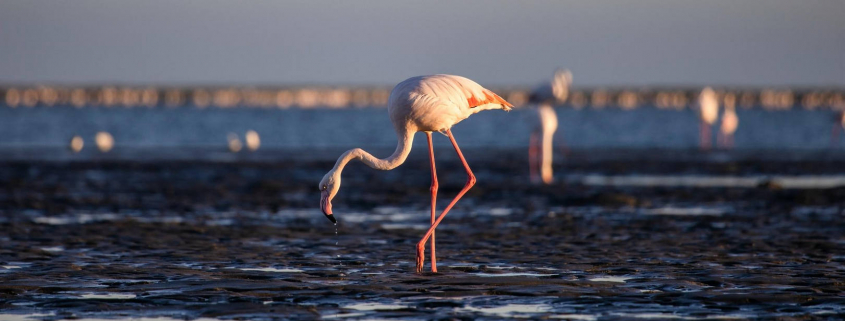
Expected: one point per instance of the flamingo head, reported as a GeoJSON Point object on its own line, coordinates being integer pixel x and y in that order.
{"type": "Point", "coordinates": [328, 189]}
{"type": "Point", "coordinates": [560, 84]}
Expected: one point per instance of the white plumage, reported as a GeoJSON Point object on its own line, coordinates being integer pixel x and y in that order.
{"type": "Point", "coordinates": [708, 111]}
{"type": "Point", "coordinates": [438, 102]}
{"type": "Point", "coordinates": [708, 106]}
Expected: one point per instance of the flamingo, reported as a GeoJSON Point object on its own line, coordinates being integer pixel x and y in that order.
{"type": "Point", "coordinates": [421, 104]}
{"type": "Point", "coordinates": [838, 121]}
{"type": "Point", "coordinates": [555, 91]}
{"type": "Point", "coordinates": [708, 111]}
{"type": "Point", "coordinates": [730, 122]}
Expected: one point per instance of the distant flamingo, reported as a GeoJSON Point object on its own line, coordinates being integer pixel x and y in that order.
{"type": "Point", "coordinates": [421, 104]}
{"type": "Point", "coordinates": [553, 92]}
{"type": "Point", "coordinates": [730, 122]}
{"type": "Point", "coordinates": [838, 124]}
{"type": "Point", "coordinates": [708, 111]}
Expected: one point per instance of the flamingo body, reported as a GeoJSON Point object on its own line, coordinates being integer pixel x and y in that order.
{"type": "Point", "coordinates": [708, 111]}
{"type": "Point", "coordinates": [708, 106]}
{"type": "Point", "coordinates": [436, 103]}
{"type": "Point", "coordinates": [839, 121]}
{"type": "Point", "coordinates": [426, 104]}
{"type": "Point", "coordinates": [730, 122]}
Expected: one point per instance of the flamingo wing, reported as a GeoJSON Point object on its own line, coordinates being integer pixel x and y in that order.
{"type": "Point", "coordinates": [489, 97]}
{"type": "Point", "coordinates": [458, 89]}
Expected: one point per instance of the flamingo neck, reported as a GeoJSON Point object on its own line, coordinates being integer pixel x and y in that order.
{"type": "Point", "coordinates": [403, 148]}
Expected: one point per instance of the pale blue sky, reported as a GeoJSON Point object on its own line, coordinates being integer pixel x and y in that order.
{"type": "Point", "coordinates": [751, 42]}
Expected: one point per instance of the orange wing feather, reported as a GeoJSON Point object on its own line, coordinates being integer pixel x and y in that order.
{"type": "Point", "coordinates": [489, 98]}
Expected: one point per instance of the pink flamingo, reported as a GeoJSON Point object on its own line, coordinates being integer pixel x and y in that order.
{"type": "Point", "coordinates": [838, 121]}
{"type": "Point", "coordinates": [545, 125]}
{"type": "Point", "coordinates": [730, 122]}
{"type": "Point", "coordinates": [421, 104]}
{"type": "Point", "coordinates": [708, 111]}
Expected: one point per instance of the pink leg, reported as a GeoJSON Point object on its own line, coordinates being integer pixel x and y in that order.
{"type": "Point", "coordinates": [434, 186]}
{"type": "Point", "coordinates": [704, 136]}
{"type": "Point", "coordinates": [430, 232]}
{"type": "Point", "coordinates": [720, 140]}
{"type": "Point", "coordinates": [701, 135]}
{"type": "Point", "coordinates": [729, 141]}
{"type": "Point", "coordinates": [533, 160]}
{"type": "Point", "coordinates": [563, 146]}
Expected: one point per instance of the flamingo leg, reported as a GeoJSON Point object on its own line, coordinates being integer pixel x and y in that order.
{"type": "Point", "coordinates": [704, 136]}
{"type": "Point", "coordinates": [729, 141]}
{"type": "Point", "coordinates": [563, 146]}
{"type": "Point", "coordinates": [701, 135]}
{"type": "Point", "coordinates": [546, 154]}
{"type": "Point", "coordinates": [470, 182]}
{"type": "Point", "coordinates": [533, 160]}
{"type": "Point", "coordinates": [434, 186]}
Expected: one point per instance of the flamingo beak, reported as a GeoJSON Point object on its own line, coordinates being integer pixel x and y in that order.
{"type": "Point", "coordinates": [326, 206]}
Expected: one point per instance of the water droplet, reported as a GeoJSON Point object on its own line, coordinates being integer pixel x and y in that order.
{"type": "Point", "coordinates": [336, 241]}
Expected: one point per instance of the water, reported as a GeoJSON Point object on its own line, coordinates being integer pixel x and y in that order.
{"type": "Point", "coordinates": [53, 127]}
{"type": "Point", "coordinates": [617, 279]}
{"type": "Point", "coordinates": [709, 181]}
{"type": "Point", "coordinates": [336, 243]}
{"type": "Point", "coordinates": [276, 270]}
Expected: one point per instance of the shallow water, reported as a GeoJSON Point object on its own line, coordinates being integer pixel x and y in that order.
{"type": "Point", "coordinates": [371, 128]}
{"type": "Point", "coordinates": [701, 181]}
{"type": "Point", "coordinates": [148, 241]}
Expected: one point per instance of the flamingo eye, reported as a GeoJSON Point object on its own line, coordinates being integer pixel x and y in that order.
{"type": "Point", "coordinates": [324, 187]}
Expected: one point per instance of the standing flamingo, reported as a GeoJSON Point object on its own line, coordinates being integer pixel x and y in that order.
{"type": "Point", "coordinates": [730, 122]}
{"type": "Point", "coordinates": [421, 104]}
{"type": "Point", "coordinates": [708, 111]}
{"type": "Point", "coordinates": [553, 92]}
{"type": "Point", "coordinates": [838, 121]}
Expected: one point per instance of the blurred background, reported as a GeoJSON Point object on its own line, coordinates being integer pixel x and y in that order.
{"type": "Point", "coordinates": [204, 79]}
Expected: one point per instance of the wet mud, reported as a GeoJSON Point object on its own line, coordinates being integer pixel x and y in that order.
{"type": "Point", "coordinates": [246, 240]}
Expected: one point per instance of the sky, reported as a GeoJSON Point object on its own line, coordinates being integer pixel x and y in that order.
{"type": "Point", "coordinates": [604, 43]}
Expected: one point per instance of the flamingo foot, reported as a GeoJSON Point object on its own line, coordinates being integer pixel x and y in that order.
{"type": "Point", "coordinates": [420, 256]}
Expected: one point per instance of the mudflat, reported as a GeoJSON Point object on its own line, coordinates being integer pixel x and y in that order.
{"type": "Point", "coordinates": [188, 240]}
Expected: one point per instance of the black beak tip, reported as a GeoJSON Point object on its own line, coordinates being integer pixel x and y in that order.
{"type": "Point", "coordinates": [331, 218]}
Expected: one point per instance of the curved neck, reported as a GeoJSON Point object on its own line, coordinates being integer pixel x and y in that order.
{"type": "Point", "coordinates": [403, 148]}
